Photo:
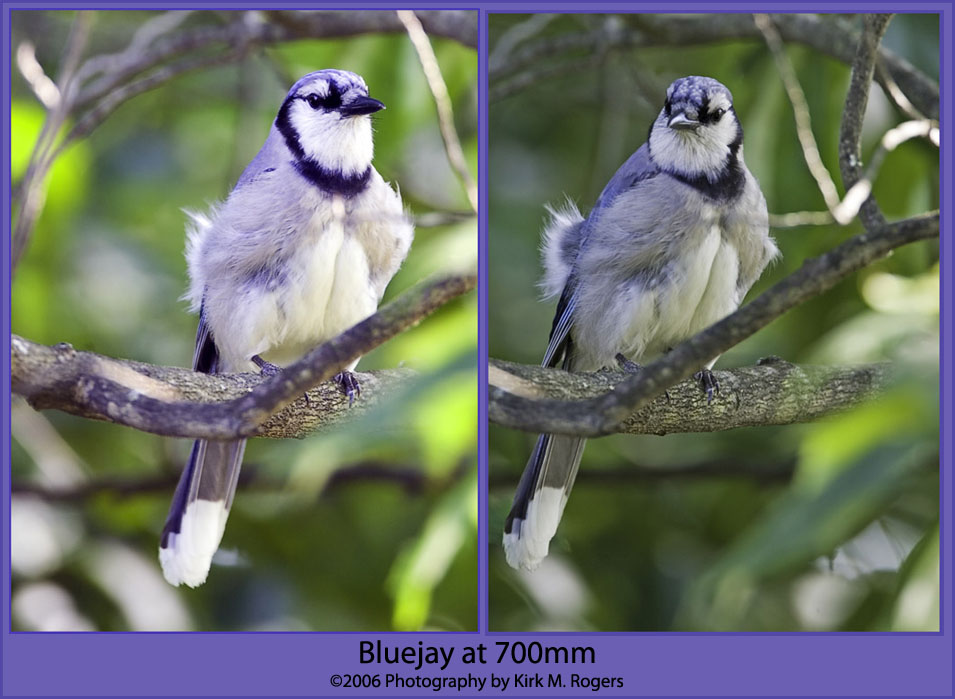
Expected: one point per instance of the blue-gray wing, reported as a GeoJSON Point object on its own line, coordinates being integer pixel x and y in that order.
{"type": "Point", "coordinates": [206, 356]}
{"type": "Point", "coordinates": [559, 347]}
{"type": "Point", "coordinates": [637, 167]}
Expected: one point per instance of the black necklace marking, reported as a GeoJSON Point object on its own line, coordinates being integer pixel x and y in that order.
{"type": "Point", "coordinates": [332, 180]}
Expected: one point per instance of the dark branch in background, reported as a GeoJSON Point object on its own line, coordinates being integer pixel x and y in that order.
{"type": "Point", "coordinates": [254, 28]}
{"type": "Point", "coordinates": [774, 392]}
{"type": "Point", "coordinates": [831, 36]}
{"type": "Point", "coordinates": [412, 480]}
{"type": "Point", "coordinates": [180, 403]}
{"type": "Point", "coordinates": [761, 472]}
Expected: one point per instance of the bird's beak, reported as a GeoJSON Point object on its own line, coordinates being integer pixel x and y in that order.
{"type": "Point", "coordinates": [680, 122]}
{"type": "Point", "coordinates": [361, 105]}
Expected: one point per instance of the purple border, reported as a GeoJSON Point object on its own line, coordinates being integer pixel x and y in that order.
{"type": "Point", "coordinates": [483, 460]}
{"type": "Point", "coordinates": [650, 663]}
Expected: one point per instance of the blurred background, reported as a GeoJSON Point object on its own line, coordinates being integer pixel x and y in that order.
{"type": "Point", "coordinates": [371, 527]}
{"type": "Point", "coordinates": [824, 526]}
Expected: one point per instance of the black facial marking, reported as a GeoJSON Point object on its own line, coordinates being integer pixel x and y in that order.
{"type": "Point", "coordinates": [332, 100]}
{"type": "Point", "coordinates": [283, 122]}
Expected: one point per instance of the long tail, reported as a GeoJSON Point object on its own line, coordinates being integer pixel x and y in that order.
{"type": "Point", "coordinates": [540, 499]}
{"type": "Point", "coordinates": [199, 511]}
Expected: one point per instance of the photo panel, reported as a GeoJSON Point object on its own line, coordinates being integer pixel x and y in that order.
{"type": "Point", "coordinates": [794, 488]}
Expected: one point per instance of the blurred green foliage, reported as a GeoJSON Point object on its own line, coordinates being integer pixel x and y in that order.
{"type": "Point", "coordinates": [104, 271]}
{"type": "Point", "coordinates": [848, 539]}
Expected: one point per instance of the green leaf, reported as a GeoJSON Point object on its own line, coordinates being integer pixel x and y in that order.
{"type": "Point", "coordinates": [425, 561]}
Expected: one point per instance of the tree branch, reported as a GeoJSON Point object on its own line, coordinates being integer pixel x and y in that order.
{"type": "Point", "coordinates": [850, 132]}
{"type": "Point", "coordinates": [830, 36]}
{"type": "Point", "coordinates": [181, 403]}
{"type": "Point", "coordinates": [773, 392]}
{"type": "Point", "coordinates": [254, 28]}
{"type": "Point", "coordinates": [442, 101]}
{"type": "Point", "coordinates": [596, 416]}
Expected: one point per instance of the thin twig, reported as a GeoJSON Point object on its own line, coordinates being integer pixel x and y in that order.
{"type": "Point", "coordinates": [797, 98]}
{"type": "Point", "coordinates": [115, 99]}
{"type": "Point", "coordinates": [859, 193]}
{"type": "Point", "coordinates": [532, 76]}
{"type": "Point", "coordinates": [32, 186]}
{"type": "Point", "coordinates": [895, 93]}
{"type": "Point", "coordinates": [829, 35]}
{"type": "Point", "coordinates": [516, 34]}
{"type": "Point", "coordinates": [844, 211]}
{"type": "Point", "coordinates": [801, 218]}
{"type": "Point", "coordinates": [442, 100]}
{"type": "Point", "coordinates": [42, 85]}
{"type": "Point", "coordinates": [433, 219]}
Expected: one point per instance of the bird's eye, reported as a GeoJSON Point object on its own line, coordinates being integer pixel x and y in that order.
{"type": "Point", "coordinates": [333, 100]}
{"type": "Point", "coordinates": [718, 114]}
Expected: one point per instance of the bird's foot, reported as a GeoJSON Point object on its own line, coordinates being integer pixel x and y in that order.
{"type": "Point", "coordinates": [708, 383]}
{"type": "Point", "coordinates": [632, 367]}
{"type": "Point", "coordinates": [627, 365]}
{"type": "Point", "coordinates": [267, 368]}
{"type": "Point", "coordinates": [349, 385]}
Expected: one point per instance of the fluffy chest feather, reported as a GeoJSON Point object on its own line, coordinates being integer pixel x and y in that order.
{"type": "Point", "coordinates": [328, 287]}
{"type": "Point", "coordinates": [663, 297]}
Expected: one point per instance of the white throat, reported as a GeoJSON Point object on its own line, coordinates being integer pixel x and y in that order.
{"type": "Point", "coordinates": [693, 153]}
{"type": "Point", "coordinates": [336, 143]}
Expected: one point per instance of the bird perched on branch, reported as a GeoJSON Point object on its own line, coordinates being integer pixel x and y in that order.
{"type": "Point", "coordinates": [674, 242]}
{"type": "Point", "coordinates": [301, 250]}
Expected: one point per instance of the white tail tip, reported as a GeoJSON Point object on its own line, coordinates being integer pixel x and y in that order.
{"type": "Point", "coordinates": [526, 545]}
{"type": "Point", "coordinates": [187, 555]}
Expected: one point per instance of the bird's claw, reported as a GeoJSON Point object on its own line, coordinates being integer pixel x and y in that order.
{"type": "Point", "coordinates": [349, 385]}
{"type": "Point", "coordinates": [627, 365]}
{"type": "Point", "coordinates": [266, 368]}
{"type": "Point", "coordinates": [708, 383]}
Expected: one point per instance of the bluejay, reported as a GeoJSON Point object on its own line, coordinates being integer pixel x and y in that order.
{"type": "Point", "coordinates": [674, 242]}
{"type": "Point", "coordinates": [301, 250]}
